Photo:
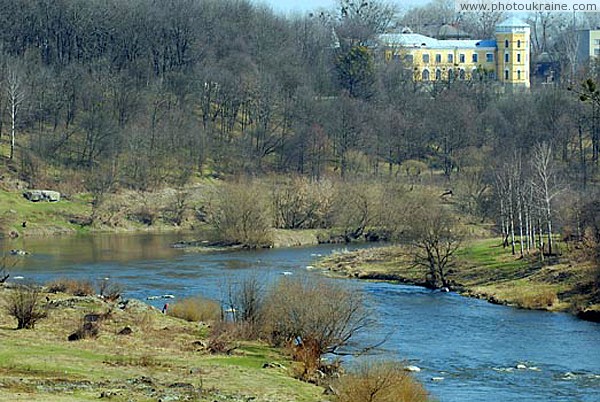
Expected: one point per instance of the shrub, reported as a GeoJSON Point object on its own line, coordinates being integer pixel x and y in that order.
{"type": "Point", "coordinates": [302, 204]}
{"type": "Point", "coordinates": [109, 290]}
{"type": "Point", "coordinates": [196, 309]}
{"type": "Point", "coordinates": [379, 382]}
{"type": "Point", "coordinates": [75, 287]}
{"type": "Point", "coordinates": [242, 216]}
{"type": "Point", "coordinates": [222, 337]}
{"type": "Point", "coordinates": [245, 300]}
{"type": "Point", "coordinates": [315, 317]}
{"type": "Point", "coordinates": [25, 304]}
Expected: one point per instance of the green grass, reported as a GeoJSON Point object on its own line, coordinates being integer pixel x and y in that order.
{"type": "Point", "coordinates": [41, 217]}
{"type": "Point", "coordinates": [485, 269]}
{"type": "Point", "coordinates": [35, 364]}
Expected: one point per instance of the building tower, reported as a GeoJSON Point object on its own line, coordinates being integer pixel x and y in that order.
{"type": "Point", "coordinates": [513, 41]}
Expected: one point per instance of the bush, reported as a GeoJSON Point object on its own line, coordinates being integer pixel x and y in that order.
{"type": "Point", "coordinates": [302, 204]}
{"type": "Point", "coordinates": [25, 304]}
{"type": "Point", "coordinates": [196, 309]}
{"type": "Point", "coordinates": [71, 286]}
{"type": "Point", "coordinates": [315, 317]}
{"type": "Point", "coordinates": [242, 215]}
{"type": "Point", "coordinates": [379, 382]}
{"type": "Point", "coordinates": [222, 337]}
{"type": "Point", "coordinates": [245, 300]}
{"type": "Point", "coordinates": [109, 290]}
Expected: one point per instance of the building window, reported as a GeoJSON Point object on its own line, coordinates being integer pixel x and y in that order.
{"type": "Point", "coordinates": [506, 57]}
{"type": "Point", "coordinates": [461, 74]}
{"type": "Point", "coordinates": [475, 74]}
{"type": "Point", "coordinates": [425, 58]}
{"type": "Point", "coordinates": [519, 43]}
{"type": "Point", "coordinates": [438, 58]}
{"type": "Point", "coordinates": [597, 42]}
{"type": "Point", "coordinates": [450, 58]}
{"type": "Point", "coordinates": [450, 74]}
{"type": "Point", "coordinates": [475, 58]}
{"type": "Point", "coordinates": [489, 57]}
{"type": "Point", "coordinates": [506, 43]}
{"type": "Point", "coordinates": [518, 57]}
{"type": "Point", "coordinates": [506, 75]}
{"type": "Point", "coordinates": [425, 75]}
{"type": "Point", "coordinates": [518, 74]}
{"type": "Point", "coordinates": [438, 74]}
{"type": "Point", "coordinates": [408, 59]}
{"type": "Point", "coordinates": [491, 75]}
{"type": "Point", "coordinates": [461, 58]}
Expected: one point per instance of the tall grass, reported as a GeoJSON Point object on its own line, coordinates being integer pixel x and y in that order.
{"type": "Point", "coordinates": [196, 309]}
{"type": "Point", "coordinates": [379, 382]}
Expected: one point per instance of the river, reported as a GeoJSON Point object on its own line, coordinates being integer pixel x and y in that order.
{"type": "Point", "coordinates": [467, 349]}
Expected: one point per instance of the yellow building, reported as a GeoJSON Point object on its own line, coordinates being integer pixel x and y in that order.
{"type": "Point", "coordinates": [505, 58]}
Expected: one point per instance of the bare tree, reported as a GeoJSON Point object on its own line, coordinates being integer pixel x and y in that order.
{"type": "Point", "coordinates": [25, 304]}
{"type": "Point", "coordinates": [16, 96]}
{"type": "Point", "coordinates": [316, 317]}
{"type": "Point", "coordinates": [435, 239]}
{"type": "Point", "coordinates": [546, 185]}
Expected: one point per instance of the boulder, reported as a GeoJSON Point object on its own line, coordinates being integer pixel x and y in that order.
{"type": "Point", "coordinates": [125, 331]}
{"type": "Point", "coordinates": [42, 195]}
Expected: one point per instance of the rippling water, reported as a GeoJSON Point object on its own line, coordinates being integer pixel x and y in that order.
{"type": "Point", "coordinates": [470, 347]}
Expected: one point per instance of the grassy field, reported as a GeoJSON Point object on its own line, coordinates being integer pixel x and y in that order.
{"type": "Point", "coordinates": [160, 360]}
{"type": "Point", "coordinates": [41, 217]}
{"type": "Point", "coordinates": [486, 270]}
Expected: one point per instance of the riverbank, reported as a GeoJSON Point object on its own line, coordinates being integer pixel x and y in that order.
{"type": "Point", "coordinates": [485, 270]}
{"type": "Point", "coordinates": [124, 213]}
{"type": "Point", "coordinates": [158, 358]}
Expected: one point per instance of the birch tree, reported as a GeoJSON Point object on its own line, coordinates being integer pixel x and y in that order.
{"type": "Point", "coordinates": [546, 187]}
{"type": "Point", "coordinates": [16, 97]}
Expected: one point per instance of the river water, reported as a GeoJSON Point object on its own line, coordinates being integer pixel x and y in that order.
{"type": "Point", "coordinates": [467, 349]}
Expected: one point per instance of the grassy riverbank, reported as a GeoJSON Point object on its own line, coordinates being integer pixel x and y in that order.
{"type": "Point", "coordinates": [162, 359]}
{"type": "Point", "coordinates": [486, 270]}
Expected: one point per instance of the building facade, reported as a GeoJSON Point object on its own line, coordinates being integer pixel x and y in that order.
{"type": "Point", "coordinates": [504, 58]}
{"type": "Point", "coordinates": [588, 46]}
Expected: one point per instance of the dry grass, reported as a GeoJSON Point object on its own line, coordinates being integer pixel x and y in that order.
{"type": "Point", "coordinates": [379, 382]}
{"type": "Point", "coordinates": [196, 309]}
{"type": "Point", "coordinates": [71, 286]}
{"type": "Point", "coordinates": [151, 363]}
{"type": "Point", "coordinates": [539, 299]}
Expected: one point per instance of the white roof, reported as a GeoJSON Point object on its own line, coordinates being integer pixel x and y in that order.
{"type": "Point", "coordinates": [411, 40]}
{"type": "Point", "coordinates": [513, 22]}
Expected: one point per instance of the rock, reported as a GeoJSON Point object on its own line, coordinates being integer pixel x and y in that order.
{"type": "Point", "coordinates": [125, 331]}
{"type": "Point", "coordinates": [201, 345]}
{"type": "Point", "coordinates": [92, 317]}
{"type": "Point", "coordinates": [413, 369]}
{"type": "Point", "coordinates": [589, 315]}
{"type": "Point", "coordinates": [273, 365]}
{"type": "Point", "coordinates": [42, 195]}
{"type": "Point", "coordinates": [330, 391]}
